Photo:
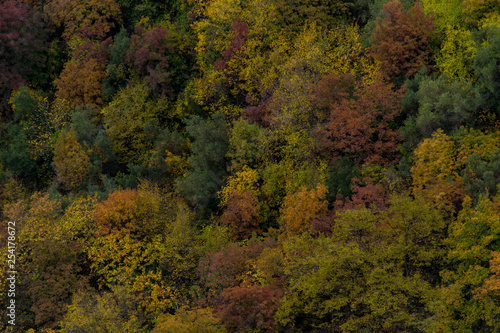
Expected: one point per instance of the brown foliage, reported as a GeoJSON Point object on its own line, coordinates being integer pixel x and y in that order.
{"type": "Point", "coordinates": [302, 209]}
{"type": "Point", "coordinates": [92, 19]}
{"type": "Point", "coordinates": [247, 308]}
{"type": "Point", "coordinates": [331, 89]}
{"type": "Point", "coordinates": [242, 214]}
{"type": "Point", "coordinates": [446, 196]}
{"type": "Point", "coordinates": [373, 196]}
{"type": "Point", "coordinates": [234, 276]}
{"type": "Point", "coordinates": [149, 54]}
{"type": "Point", "coordinates": [81, 83]}
{"type": "Point", "coordinates": [55, 272]}
{"type": "Point", "coordinates": [240, 35]}
{"type": "Point", "coordinates": [402, 40]}
{"type": "Point", "coordinates": [360, 127]}
{"type": "Point", "coordinates": [70, 160]}
{"type": "Point", "coordinates": [491, 287]}
{"type": "Point", "coordinates": [232, 265]}
{"type": "Point", "coordinates": [22, 42]}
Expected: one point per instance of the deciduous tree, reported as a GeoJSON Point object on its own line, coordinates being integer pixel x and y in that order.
{"type": "Point", "coordinates": [80, 82]}
{"type": "Point", "coordinates": [301, 209]}
{"type": "Point", "coordinates": [473, 242]}
{"type": "Point", "coordinates": [125, 118]}
{"type": "Point", "coordinates": [247, 308]}
{"type": "Point", "coordinates": [403, 40]}
{"type": "Point", "coordinates": [161, 57]}
{"type": "Point", "coordinates": [360, 128]}
{"type": "Point", "coordinates": [22, 41]}
{"type": "Point", "coordinates": [242, 214]}
{"type": "Point", "coordinates": [92, 19]}
{"type": "Point", "coordinates": [70, 161]}
{"type": "Point", "coordinates": [189, 320]}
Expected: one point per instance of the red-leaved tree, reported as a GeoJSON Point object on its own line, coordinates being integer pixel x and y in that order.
{"type": "Point", "coordinates": [360, 127]}
{"type": "Point", "coordinates": [402, 40]}
{"type": "Point", "coordinates": [150, 55]}
{"type": "Point", "coordinates": [247, 308]}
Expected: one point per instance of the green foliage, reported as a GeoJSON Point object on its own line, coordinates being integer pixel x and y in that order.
{"type": "Point", "coordinates": [447, 14]}
{"type": "Point", "coordinates": [135, 11]}
{"type": "Point", "coordinates": [36, 122]}
{"type": "Point", "coordinates": [457, 54]}
{"type": "Point", "coordinates": [481, 13]}
{"type": "Point", "coordinates": [207, 161]}
{"type": "Point", "coordinates": [245, 145]}
{"type": "Point", "coordinates": [116, 70]}
{"type": "Point", "coordinates": [340, 175]}
{"type": "Point", "coordinates": [486, 64]}
{"type": "Point", "coordinates": [95, 143]}
{"type": "Point", "coordinates": [373, 274]}
{"type": "Point", "coordinates": [232, 166]}
{"type": "Point", "coordinates": [125, 118]}
{"type": "Point", "coordinates": [295, 14]}
{"type": "Point", "coordinates": [167, 160]}
{"type": "Point", "coordinates": [443, 104]}
{"type": "Point", "coordinates": [472, 238]}
{"type": "Point", "coordinates": [416, 230]}
{"type": "Point", "coordinates": [161, 57]}
{"type": "Point", "coordinates": [109, 312]}
{"type": "Point", "coordinates": [481, 178]}
{"type": "Point", "coordinates": [16, 157]}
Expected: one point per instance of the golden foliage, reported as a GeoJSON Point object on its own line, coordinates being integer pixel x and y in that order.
{"type": "Point", "coordinates": [434, 161]}
{"type": "Point", "coordinates": [242, 181]}
{"type": "Point", "coordinates": [187, 320]}
{"type": "Point", "coordinates": [471, 141]}
{"type": "Point", "coordinates": [302, 208]}
{"type": "Point", "coordinates": [124, 120]}
{"type": "Point", "coordinates": [70, 160]}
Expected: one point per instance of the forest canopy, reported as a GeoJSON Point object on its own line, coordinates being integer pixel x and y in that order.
{"type": "Point", "coordinates": [251, 166]}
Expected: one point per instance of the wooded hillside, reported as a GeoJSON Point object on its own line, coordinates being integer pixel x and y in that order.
{"type": "Point", "coordinates": [251, 165]}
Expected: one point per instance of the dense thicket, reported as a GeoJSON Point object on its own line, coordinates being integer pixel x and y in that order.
{"type": "Point", "coordinates": [251, 166]}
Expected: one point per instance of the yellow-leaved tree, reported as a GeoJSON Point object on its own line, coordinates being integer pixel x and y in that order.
{"type": "Point", "coordinates": [435, 172]}
{"type": "Point", "coordinates": [456, 56]}
{"type": "Point", "coordinates": [481, 13]}
{"type": "Point", "coordinates": [124, 120]}
{"type": "Point", "coordinates": [70, 160]}
{"type": "Point", "coordinates": [144, 242]}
